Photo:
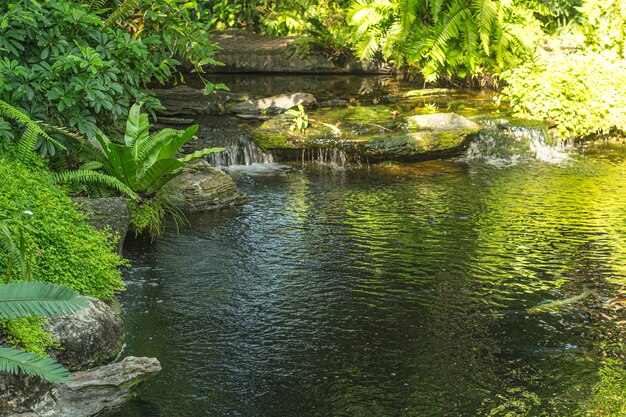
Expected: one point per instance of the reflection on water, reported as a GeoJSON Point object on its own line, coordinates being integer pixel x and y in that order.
{"type": "Point", "coordinates": [389, 291]}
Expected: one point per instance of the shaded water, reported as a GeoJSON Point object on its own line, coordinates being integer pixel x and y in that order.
{"type": "Point", "coordinates": [396, 290]}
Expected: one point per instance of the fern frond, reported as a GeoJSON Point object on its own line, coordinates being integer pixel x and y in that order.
{"type": "Point", "coordinates": [25, 299]}
{"type": "Point", "coordinates": [86, 176]}
{"type": "Point", "coordinates": [13, 361]}
{"type": "Point", "coordinates": [125, 10]}
{"type": "Point", "coordinates": [485, 15]}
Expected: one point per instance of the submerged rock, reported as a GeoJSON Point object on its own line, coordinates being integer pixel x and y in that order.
{"type": "Point", "coordinates": [88, 337]}
{"type": "Point", "coordinates": [107, 213]}
{"type": "Point", "coordinates": [273, 105]}
{"type": "Point", "coordinates": [204, 188]}
{"type": "Point", "coordinates": [89, 393]}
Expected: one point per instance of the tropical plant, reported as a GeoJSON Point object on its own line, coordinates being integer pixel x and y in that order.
{"type": "Point", "coordinates": [25, 299]}
{"type": "Point", "coordinates": [31, 137]}
{"type": "Point", "coordinates": [63, 65]}
{"type": "Point", "coordinates": [142, 164]}
{"type": "Point", "coordinates": [450, 38]}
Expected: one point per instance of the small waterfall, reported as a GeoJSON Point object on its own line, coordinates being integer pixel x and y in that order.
{"type": "Point", "coordinates": [336, 158]}
{"type": "Point", "coordinates": [502, 143]}
{"type": "Point", "coordinates": [239, 151]}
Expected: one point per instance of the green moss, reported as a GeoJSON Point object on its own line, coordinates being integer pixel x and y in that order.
{"type": "Point", "coordinates": [266, 140]}
{"type": "Point", "coordinates": [609, 394]}
{"type": "Point", "coordinates": [67, 250]}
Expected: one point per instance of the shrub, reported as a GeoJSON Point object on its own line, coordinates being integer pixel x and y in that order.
{"type": "Point", "coordinates": [583, 93]}
{"type": "Point", "coordinates": [67, 250]}
{"type": "Point", "coordinates": [63, 65]}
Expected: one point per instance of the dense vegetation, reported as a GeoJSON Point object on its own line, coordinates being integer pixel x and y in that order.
{"type": "Point", "coordinates": [75, 71]}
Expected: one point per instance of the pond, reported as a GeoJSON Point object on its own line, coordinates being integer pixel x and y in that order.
{"type": "Point", "coordinates": [387, 290]}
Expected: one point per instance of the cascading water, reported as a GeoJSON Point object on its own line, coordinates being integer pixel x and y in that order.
{"type": "Point", "coordinates": [239, 151]}
{"type": "Point", "coordinates": [333, 157]}
{"type": "Point", "coordinates": [502, 143]}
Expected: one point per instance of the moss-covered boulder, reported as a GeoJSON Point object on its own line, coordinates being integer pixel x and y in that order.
{"type": "Point", "coordinates": [203, 188]}
{"type": "Point", "coordinates": [385, 137]}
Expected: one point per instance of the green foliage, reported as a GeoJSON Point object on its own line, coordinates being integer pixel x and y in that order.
{"type": "Point", "coordinates": [62, 65]}
{"type": "Point", "coordinates": [583, 93]}
{"type": "Point", "coordinates": [87, 176]}
{"type": "Point", "coordinates": [300, 119]}
{"type": "Point", "coordinates": [453, 38]}
{"type": "Point", "coordinates": [65, 249]}
{"type": "Point", "coordinates": [32, 132]}
{"type": "Point", "coordinates": [23, 299]}
{"type": "Point", "coordinates": [27, 334]}
{"type": "Point", "coordinates": [14, 361]}
{"type": "Point", "coordinates": [146, 162]}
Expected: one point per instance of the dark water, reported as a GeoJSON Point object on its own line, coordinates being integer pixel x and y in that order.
{"type": "Point", "coordinates": [386, 291]}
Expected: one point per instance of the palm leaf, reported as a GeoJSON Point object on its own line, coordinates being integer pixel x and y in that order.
{"type": "Point", "coordinates": [151, 148]}
{"type": "Point", "coordinates": [25, 299]}
{"type": "Point", "coordinates": [13, 361]}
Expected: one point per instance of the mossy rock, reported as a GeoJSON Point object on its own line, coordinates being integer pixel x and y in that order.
{"type": "Point", "coordinates": [439, 134]}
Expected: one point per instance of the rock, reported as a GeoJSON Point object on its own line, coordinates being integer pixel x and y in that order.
{"type": "Point", "coordinates": [440, 135]}
{"type": "Point", "coordinates": [89, 392]}
{"type": "Point", "coordinates": [204, 188]}
{"type": "Point", "coordinates": [273, 105]}
{"type": "Point", "coordinates": [107, 213]}
{"type": "Point", "coordinates": [442, 122]}
{"type": "Point", "coordinates": [243, 51]}
{"type": "Point", "coordinates": [88, 337]}
{"type": "Point", "coordinates": [183, 100]}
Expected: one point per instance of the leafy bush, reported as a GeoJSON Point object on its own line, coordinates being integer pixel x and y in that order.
{"type": "Point", "coordinates": [66, 250]}
{"type": "Point", "coordinates": [63, 65]}
{"type": "Point", "coordinates": [583, 93]}
{"type": "Point", "coordinates": [454, 38]}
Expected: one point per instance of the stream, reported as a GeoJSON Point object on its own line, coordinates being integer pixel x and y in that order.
{"type": "Point", "coordinates": [386, 290]}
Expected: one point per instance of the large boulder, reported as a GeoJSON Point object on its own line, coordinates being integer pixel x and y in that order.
{"type": "Point", "coordinates": [203, 188]}
{"type": "Point", "coordinates": [107, 213]}
{"type": "Point", "coordinates": [272, 105]}
{"type": "Point", "coordinates": [88, 394]}
{"type": "Point", "coordinates": [88, 337]}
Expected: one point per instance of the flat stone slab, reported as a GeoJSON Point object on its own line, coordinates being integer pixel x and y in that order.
{"type": "Point", "coordinates": [273, 105]}
{"type": "Point", "coordinates": [430, 136]}
{"type": "Point", "coordinates": [247, 52]}
{"type": "Point", "coordinates": [441, 122]}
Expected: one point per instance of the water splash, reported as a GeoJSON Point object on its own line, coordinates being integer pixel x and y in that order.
{"type": "Point", "coordinates": [240, 151]}
{"type": "Point", "coordinates": [503, 144]}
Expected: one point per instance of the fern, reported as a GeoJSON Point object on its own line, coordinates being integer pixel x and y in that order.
{"type": "Point", "coordinates": [125, 10]}
{"type": "Point", "coordinates": [13, 361]}
{"type": "Point", "coordinates": [25, 299]}
{"type": "Point", "coordinates": [86, 176]}
{"type": "Point", "coordinates": [28, 140]}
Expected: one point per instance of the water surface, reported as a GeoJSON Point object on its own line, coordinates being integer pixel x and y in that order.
{"type": "Point", "coordinates": [396, 290]}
